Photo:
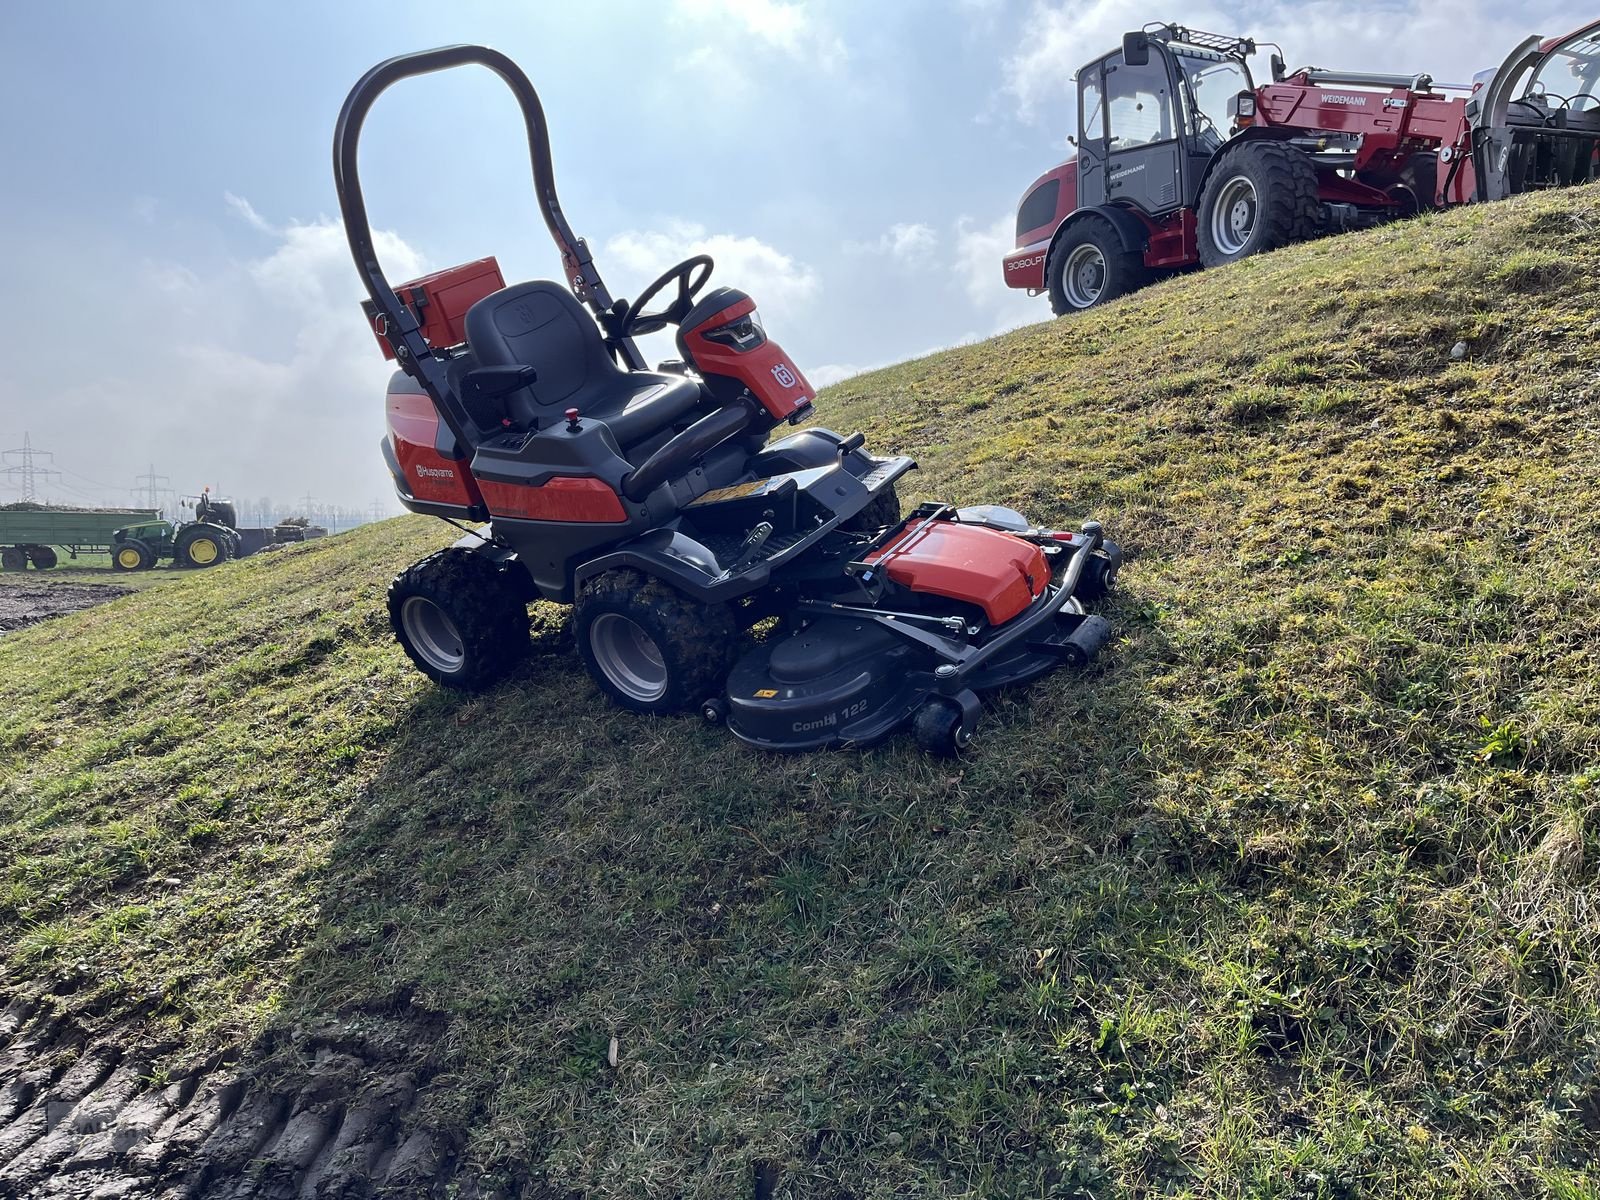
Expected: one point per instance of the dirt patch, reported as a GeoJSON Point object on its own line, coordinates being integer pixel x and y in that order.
{"type": "Point", "coordinates": [87, 1114]}
{"type": "Point", "coordinates": [23, 604]}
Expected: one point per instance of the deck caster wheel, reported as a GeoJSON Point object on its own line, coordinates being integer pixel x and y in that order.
{"type": "Point", "coordinates": [714, 710]}
{"type": "Point", "coordinates": [940, 729]}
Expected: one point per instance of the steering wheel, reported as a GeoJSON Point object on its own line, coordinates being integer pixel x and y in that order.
{"type": "Point", "coordinates": [691, 275]}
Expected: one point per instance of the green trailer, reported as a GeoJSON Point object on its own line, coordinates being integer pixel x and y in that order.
{"type": "Point", "coordinates": [34, 535]}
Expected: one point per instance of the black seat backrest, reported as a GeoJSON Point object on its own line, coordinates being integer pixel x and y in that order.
{"type": "Point", "coordinates": [541, 325]}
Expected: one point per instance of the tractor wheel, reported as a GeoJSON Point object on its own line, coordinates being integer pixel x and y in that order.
{"type": "Point", "coordinates": [1261, 196]}
{"type": "Point", "coordinates": [651, 648]}
{"type": "Point", "coordinates": [1089, 266]}
{"type": "Point", "coordinates": [203, 546]}
{"type": "Point", "coordinates": [42, 557]}
{"type": "Point", "coordinates": [131, 556]}
{"type": "Point", "coordinates": [459, 619]}
{"type": "Point", "coordinates": [937, 728]}
{"type": "Point", "coordinates": [883, 509]}
{"type": "Point", "coordinates": [14, 558]}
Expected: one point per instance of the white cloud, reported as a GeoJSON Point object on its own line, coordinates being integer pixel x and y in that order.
{"type": "Point", "coordinates": [782, 286]}
{"type": "Point", "coordinates": [267, 377]}
{"type": "Point", "coordinates": [826, 374]}
{"type": "Point", "coordinates": [246, 210]}
{"type": "Point", "coordinates": [913, 244]}
{"type": "Point", "coordinates": [734, 84]}
{"type": "Point", "coordinates": [979, 249]}
{"type": "Point", "coordinates": [787, 26]}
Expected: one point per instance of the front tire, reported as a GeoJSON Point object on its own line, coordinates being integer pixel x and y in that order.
{"type": "Point", "coordinates": [1090, 267]}
{"type": "Point", "coordinates": [131, 556]}
{"type": "Point", "coordinates": [42, 557]}
{"type": "Point", "coordinates": [1261, 196]}
{"type": "Point", "coordinates": [648, 646]}
{"type": "Point", "coordinates": [881, 511]}
{"type": "Point", "coordinates": [459, 619]}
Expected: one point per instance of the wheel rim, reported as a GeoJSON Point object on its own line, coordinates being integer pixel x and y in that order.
{"type": "Point", "coordinates": [433, 634]}
{"type": "Point", "coordinates": [1234, 215]}
{"type": "Point", "coordinates": [128, 558]}
{"type": "Point", "coordinates": [629, 657]}
{"type": "Point", "coordinates": [203, 551]}
{"type": "Point", "coordinates": [1083, 276]}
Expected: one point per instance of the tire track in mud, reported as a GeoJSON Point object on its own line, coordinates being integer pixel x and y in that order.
{"type": "Point", "coordinates": [82, 1115]}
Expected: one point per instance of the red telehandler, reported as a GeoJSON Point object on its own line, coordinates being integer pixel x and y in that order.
{"type": "Point", "coordinates": [1182, 159]}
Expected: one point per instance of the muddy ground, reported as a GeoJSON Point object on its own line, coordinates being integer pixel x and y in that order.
{"type": "Point", "coordinates": [86, 1113]}
{"type": "Point", "coordinates": [23, 604]}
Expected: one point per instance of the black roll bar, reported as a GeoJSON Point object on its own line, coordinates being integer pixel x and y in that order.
{"type": "Point", "coordinates": [411, 349]}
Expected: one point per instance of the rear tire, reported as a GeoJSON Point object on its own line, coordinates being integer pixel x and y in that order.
{"type": "Point", "coordinates": [1089, 267]}
{"type": "Point", "coordinates": [459, 619]}
{"type": "Point", "coordinates": [14, 558]}
{"type": "Point", "coordinates": [204, 546]}
{"type": "Point", "coordinates": [882, 510]}
{"type": "Point", "coordinates": [1261, 196]}
{"type": "Point", "coordinates": [131, 556]}
{"type": "Point", "coordinates": [938, 730]}
{"type": "Point", "coordinates": [648, 646]}
{"type": "Point", "coordinates": [42, 557]}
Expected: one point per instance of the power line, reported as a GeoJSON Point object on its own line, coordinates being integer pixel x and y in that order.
{"type": "Point", "coordinates": [20, 465]}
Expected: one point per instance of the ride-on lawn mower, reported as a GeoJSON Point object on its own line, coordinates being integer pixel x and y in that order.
{"type": "Point", "coordinates": [653, 503]}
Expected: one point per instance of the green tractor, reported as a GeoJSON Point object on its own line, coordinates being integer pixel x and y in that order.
{"type": "Point", "coordinates": [209, 539]}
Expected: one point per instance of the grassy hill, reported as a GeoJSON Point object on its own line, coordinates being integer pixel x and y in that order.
{"type": "Point", "coordinates": [1294, 895]}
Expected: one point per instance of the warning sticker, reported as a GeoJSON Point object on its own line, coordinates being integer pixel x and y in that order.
{"type": "Point", "coordinates": [738, 490]}
{"type": "Point", "coordinates": [766, 693]}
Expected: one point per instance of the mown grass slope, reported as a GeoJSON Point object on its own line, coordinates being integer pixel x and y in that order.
{"type": "Point", "coordinates": [1293, 895]}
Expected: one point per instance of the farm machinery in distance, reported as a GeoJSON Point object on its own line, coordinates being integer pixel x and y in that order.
{"type": "Point", "coordinates": [213, 536]}
{"type": "Point", "coordinates": [1183, 160]}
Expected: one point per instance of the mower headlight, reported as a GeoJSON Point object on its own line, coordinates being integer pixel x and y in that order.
{"type": "Point", "coordinates": [743, 334]}
{"type": "Point", "coordinates": [1245, 106]}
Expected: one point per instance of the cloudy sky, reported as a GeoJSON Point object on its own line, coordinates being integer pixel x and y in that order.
{"type": "Point", "coordinates": [179, 291]}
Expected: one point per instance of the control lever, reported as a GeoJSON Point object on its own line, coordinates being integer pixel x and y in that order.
{"type": "Point", "coordinates": [751, 549]}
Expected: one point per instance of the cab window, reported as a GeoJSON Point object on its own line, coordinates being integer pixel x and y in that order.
{"type": "Point", "coordinates": [1092, 126]}
{"type": "Point", "coordinates": [1139, 103]}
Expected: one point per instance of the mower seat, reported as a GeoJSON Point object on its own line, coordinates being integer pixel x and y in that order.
{"type": "Point", "coordinates": [541, 325]}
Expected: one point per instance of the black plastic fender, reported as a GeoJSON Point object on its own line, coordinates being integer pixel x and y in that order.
{"type": "Point", "coordinates": [679, 560]}
{"type": "Point", "coordinates": [1132, 231]}
{"type": "Point", "coordinates": [801, 451]}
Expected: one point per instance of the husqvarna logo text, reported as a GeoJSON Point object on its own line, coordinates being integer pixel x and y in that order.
{"type": "Point", "coordinates": [435, 473]}
{"type": "Point", "coordinates": [784, 376]}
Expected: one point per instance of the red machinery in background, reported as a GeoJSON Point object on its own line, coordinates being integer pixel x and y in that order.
{"type": "Point", "coordinates": [1182, 159]}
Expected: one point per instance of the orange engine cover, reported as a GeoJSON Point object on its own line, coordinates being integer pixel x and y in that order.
{"type": "Point", "coordinates": [422, 446]}
{"type": "Point", "coordinates": [999, 573]}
